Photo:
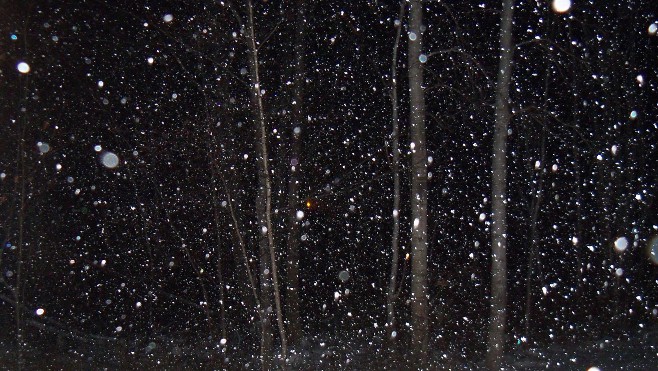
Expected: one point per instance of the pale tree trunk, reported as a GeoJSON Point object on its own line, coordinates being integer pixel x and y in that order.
{"type": "Point", "coordinates": [395, 165]}
{"type": "Point", "coordinates": [292, 272]}
{"type": "Point", "coordinates": [269, 274]}
{"type": "Point", "coordinates": [419, 292]}
{"type": "Point", "coordinates": [498, 315]}
{"type": "Point", "coordinates": [265, 289]}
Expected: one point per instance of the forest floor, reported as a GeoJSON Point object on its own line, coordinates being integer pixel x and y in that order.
{"type": "Point", "coordinates": [633, 349]}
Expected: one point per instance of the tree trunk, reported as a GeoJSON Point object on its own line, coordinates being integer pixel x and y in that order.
{"type": "Point", "coordinates": [265, 291]}
{"type": "Point", "coordinates": [395, 165]}
{"type": "Point", "coordinates": [219, 252]}
{"type": "Point", "coordinates": [269, 276]}
{"type": "Point", "coordinates": [419, 292]}
{"type": "Point", "coordinates": [497, 320]}
{"type": "Point", "coordinates": [535, 207]}
{"type": "Point", "coordinates": [292, 297]}
{"type": "Point", "coordinates": [18, 290]}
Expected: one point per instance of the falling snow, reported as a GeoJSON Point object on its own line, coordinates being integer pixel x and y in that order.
{"type": "Point", "coordinates": [172, 190]}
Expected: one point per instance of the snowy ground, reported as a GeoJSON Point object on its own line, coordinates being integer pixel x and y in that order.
{"type": "Point", "coordinates": [630, 350]}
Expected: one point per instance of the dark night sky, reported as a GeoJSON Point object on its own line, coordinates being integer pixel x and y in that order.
{"type": "Point", "coordinates": [169, 97]}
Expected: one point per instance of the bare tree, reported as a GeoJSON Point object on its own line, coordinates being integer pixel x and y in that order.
{"type": "Point", "coordinates": [22, 205]}
{"type": "Point", "coordinates": [292, 272]}
{"type": "Point", "coordinates": [269, 275]}
{"type": "Point", "coordinates": [498, 315]}
{"type": "Point", "coordinates": [537, 197]}
{"type": "Point", "coordinates": [395, 165]}
{"type": "Point", "coordinates": [419, 291]}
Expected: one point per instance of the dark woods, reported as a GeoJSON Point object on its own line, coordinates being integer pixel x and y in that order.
{"type": "Point", "coordinates": [227, 183]}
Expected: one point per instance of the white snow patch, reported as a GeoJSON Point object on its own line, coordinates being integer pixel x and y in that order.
{"type": "Point", "coordinates": [621, 244]}
{"type": "Point", "coordinates": [23, 67]}
{"type": "Point", "coordinates": [653, 28]}
{"type": "Point", "coordinates": [43, 147]}
{"type": "Point", "coordinates": [640, 80]}
{"type": "Point", "coordinates": [110, 160]}
{"type": "Point", "coordinates": [561, 6]}
{"type": "Point", "coordinates": [652, 249]}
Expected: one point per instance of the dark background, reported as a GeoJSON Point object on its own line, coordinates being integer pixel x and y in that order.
{"type": "Point", "coordinates": [97, 240]}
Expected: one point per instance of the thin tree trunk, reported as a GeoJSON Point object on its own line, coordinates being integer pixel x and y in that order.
{"type": "Point", "coordinates": [538, 196]}
{"type": "Point", "coordinates": [247, 282]}
{"type": "Point", "coordinates": [578, 233]}
{"type": "Point", "coordinates": [243, 247]}
{"type": "Point", "coordinates": [419, 291]}
{"type": "Point", "coordinates": [250, 276]}
{"type": "Point", "coordinates": [220, 271]}
{"type": "Point", "coordinates": [498, 315]}
{"type": "Point", "coordinates": [265, 296]}
{"type": "Point", "coordinates": [292, 271]}
{"type": "Point", "coordinates": [264, 198]}
{"type": "Point", "coordinates": [395, 164]}
{"type": "Point", "coordinates": [18, 287]}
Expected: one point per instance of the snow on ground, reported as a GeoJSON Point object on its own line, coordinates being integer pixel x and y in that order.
{"type": "Point", "coordinates": [630, 350]}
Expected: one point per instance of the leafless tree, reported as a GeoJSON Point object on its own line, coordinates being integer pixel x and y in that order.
{"type": "Point", "coordinates": [419, 290]}
{"type": "Point", "coordinates": [292, 272]}
{"type": "Point", "coordinates": [395, 166]}
{"type": "Point", "coordinates": [269, 270]}
{"type": "Point", "coordinates": [498, 315]}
